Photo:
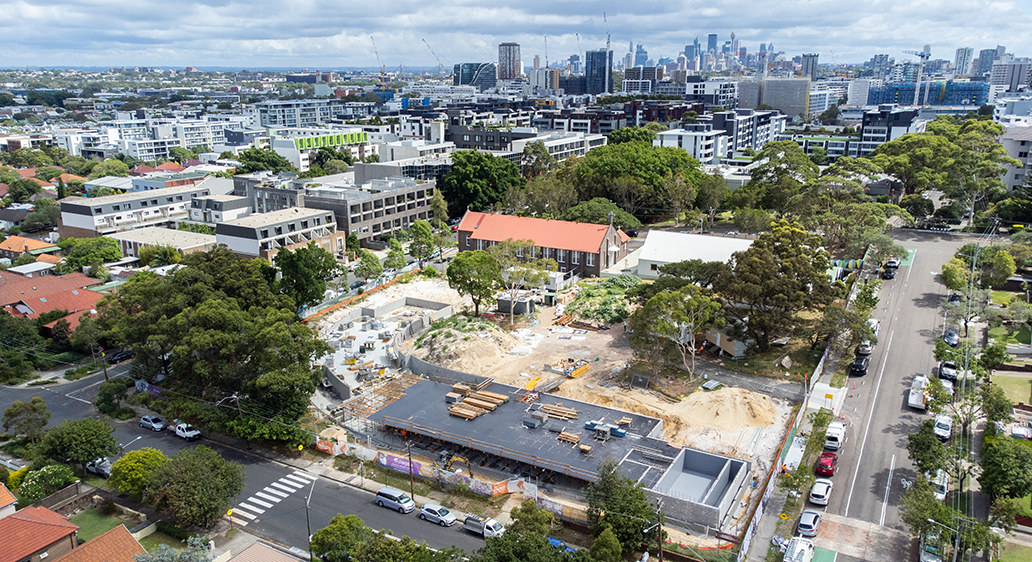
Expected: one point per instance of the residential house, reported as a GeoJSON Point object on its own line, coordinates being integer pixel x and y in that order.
{"type": "Point", "coordinates": [8, 503]}
{"type": "Point", "coordinates": [581, 249]}
{"type": "Point", "coordinates": [11, 218]}
{"type": "Point", "coordinates": [15, 246]}
{"type": "Point", "coordinates": [36, 533]}
{"type": "Point", "coordinates": [30, 297]}
{"type": "Point", "coordinates": [116, 545]}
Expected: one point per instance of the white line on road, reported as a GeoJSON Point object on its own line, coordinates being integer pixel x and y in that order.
{"type": "Point", "coordinates": [294, 481]}
{"type": "Point", "coordinates": [888, 486]}
{"type": "Point", "coordinates": [239, 511]}
{"type": "Point", "coordinates": [867, 429]}
{"type": "Point", "coordinates": [237, 522]}
{"type": "Point", "coordinates": [264, 504]}
{"type": "Point", "coordinates": [284, 488]}
{"type": "Point", "coordinates": [268, 497]}
{"type": "Point", "coordinates": [305, 475]}
{"type": "Point", "coordinates": [277, 492]}
{"type": "Point", "coordinates": [257, 510]}
{"type": "Point", "coordinates": [909, 271]}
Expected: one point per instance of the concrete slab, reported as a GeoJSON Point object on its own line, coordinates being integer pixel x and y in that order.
{"type": "Point", "coordinates": [863, 540]}
{"type": "Point", "coordinates": [824, 396]}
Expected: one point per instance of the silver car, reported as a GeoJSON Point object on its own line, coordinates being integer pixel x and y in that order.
{"type": "Point", "coordinates": [152, 422]}
{"type": "Point", "coordinates": [809, 521]}
{"type": "Point", "coordinates": [101, 467]}
{"type": "Point", "coordinates": [437, 514]}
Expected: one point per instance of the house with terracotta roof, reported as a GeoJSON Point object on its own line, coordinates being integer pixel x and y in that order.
{"type": "Point", "coordinates": [35, 533]}
{"type": "Point", "coordinates": [31, 296]}
{"type": "Point", "coordinates": [116, 545]}
{"type": "Point", "coordinates": [170, 167]}
{"type": "Point", "coordinates": [8, 503]}
{"type": "Point", "coordinates": [15, 246]}
{"type": "Point", "coordinates": [581, 249]}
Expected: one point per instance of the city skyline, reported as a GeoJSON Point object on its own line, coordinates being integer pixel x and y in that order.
{"type": "Point", "coordinates": [263, 34]}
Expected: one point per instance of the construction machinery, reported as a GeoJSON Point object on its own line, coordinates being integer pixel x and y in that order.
{"type": "Point", "coordinates": [921, 56]}
{"type": "Point", "coordinates": [447, 459]}
{"type": "Point", "coordinates": [383, 69]}
{"type": "Point", "coordinates": [440, 65]}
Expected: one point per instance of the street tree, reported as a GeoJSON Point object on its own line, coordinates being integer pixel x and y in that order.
{"type": "Point", "coordinates": [195, 487]}
{"type": "Point", "coordinates": [679, 318]}
{"type": "Point", "coordinates": [303, 272]}
{"type": "Point", "coordinates": [338, 540]}
{"type": "Point", "coordinates": [79, 441]}
{"type": "Point", "coordinates": [712, 192]}
{"type": "Point", "coordinates": [995, 404]}
{"type": "Point", "coordinates": [475, 274]}
{"type": "Point", "coordinates": [919, 504]}
{"type": "Point", "coordinates": [352, 245]}
{"type": "Point", "coordinates": [1006, 468]}
{"type": "Point", "coordinates": [619, 504]}
{"type": "Point", "coordinates": [536, 160]}
{"type": "Point", "coordinates": [601, 211]}
{"type": "Point", "coordinates": [196, 551]}
{"type": "Point", "coordinates": [920, 161]}
{"type": "Point", "coordinates": [443, 241]}
{"type": "Point", "coordinates": [422, 245]}
{"type": "Point", "coordinates": [27, 419]}
{"type": "Point", "coordinates": [528, 518]}
{"type": "Point", "coordinates": [752, 220]}
{"type": "Point", "coordinates": [926, 451]}
{"type": "Point", "coordinates": [369, 265]}
{"type": "Point", "coordinates": [606, 547]}
{"type": "Point", "coordinates": [917, 205]}
{"type": "Point", "coordinates": [477, 181]}
{"type": "Point", "coordinates": [955, 275]}
{"type": "Point", "coordinates": [439, 209]}
{"type": "Point", "coordinates": [131, 473]}
{"type": "Point", "coordinates": [395, 256]}
{"type": "Point", "coordinates": [520, 268]}
{"type": "Point", "coordinates": [781, 274]}
{"type": "Point", "coordinates": [980, 166]}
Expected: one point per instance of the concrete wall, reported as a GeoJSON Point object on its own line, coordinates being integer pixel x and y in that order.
{"type": "Point", "coordinates": [708, 513]}
{"type": "Point", "coordinates": [438, 373]}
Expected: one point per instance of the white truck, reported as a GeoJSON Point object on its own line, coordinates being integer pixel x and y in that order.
{"type": "Point", "coordinates": [483, 526]}
{"type": "Point", "coordinates": [918, 397]}
{"type": "Point", "coordinates": [835, 436]}
{"type": "Point", "coordinates": [799, 549]}
{"type": "Point", "coordinates": [186, 431]}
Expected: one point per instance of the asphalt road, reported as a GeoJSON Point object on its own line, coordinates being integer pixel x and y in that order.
{"type": "Point", "coordinates": [874, 460]}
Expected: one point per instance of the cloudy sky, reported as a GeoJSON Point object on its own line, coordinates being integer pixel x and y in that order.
{"type": "Point", "coordinates": [327, 35]}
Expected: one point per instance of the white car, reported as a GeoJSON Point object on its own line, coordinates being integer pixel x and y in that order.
{"type": "Point", "coordinates": [437, 514]}
{"type": "Point", "coordinates": [101, 467]}
{"type": "Point", "coordinates": [821, 491]}
{"type": "Point", "coordinates": [943, 427]}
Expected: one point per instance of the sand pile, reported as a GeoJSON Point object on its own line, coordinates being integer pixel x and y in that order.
{"type": "Point", "coordinates": [728, 408]}
{"type": "Point", "coordinates": [468, 352]}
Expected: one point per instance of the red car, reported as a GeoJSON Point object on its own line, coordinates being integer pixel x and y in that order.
{"type": "Point", "coordinates": [827, 464]}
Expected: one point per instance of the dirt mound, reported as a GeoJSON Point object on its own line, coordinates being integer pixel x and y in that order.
{"type": "Point", "coordinates": [728, 408]}
{"type": "Point", "coordinates": [468, 352]}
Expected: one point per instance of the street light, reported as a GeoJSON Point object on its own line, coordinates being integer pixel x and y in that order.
{"type": "Point", "coordinates": [956, 541]}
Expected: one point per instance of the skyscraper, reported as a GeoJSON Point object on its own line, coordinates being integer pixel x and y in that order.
{"type": "Point", "coordinates": [985, 61]}
{"type": "Point", "coordinates": [962, 62]}
{"type": "Point", "coordinates": [479, 74]}
{"type": "Point", "coordinates": [599, 71]}
{"type": "Point", "coordinates": [763, 48]}
{"type": "Point", "coordinates": [575, 64]}
{"type": "Point", "coordinates": [537, 62]}
{"type": "Point", "coordinates": [509, 67]}
{"type": "Point", "coordinates": [641, 56]}
{"type": "Point", "coordinates": [810, 64]}
{"type": "Point", "coordinates": [711, 43]}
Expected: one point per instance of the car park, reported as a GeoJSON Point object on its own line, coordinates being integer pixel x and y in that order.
{"type": "Point", "coordinates": [827, 464]}
{"type": "Point", "coordinates": [437, 514]}
{"type": "Point", "coordinates": [859, 366]}
{"type": "Point", "coordinates": [153, 423]}
{"type": "Point", "coordinates": [821, 491]}
{"type": "Point", "coordinates": [948, 370]}
{"type": "Point", "coordinates": [809, 522]}
{"type": "Point", "coordinates": [951, 337]}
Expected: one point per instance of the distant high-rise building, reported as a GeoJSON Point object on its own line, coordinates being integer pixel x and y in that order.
{"type": "Point", "coordinates": [962, 62]}
{"type": "Point", "coordinates": [682, 62]}
{"type": "Point", "coordinates": [537, 62]}
{"type": "Point", "coordinates": [641, 56]}
{"type": "Point", "coordinates": [770, 47]}
{"type": "Point", "coordinates": [483, 75]}
{"type": "Point", "coordinates": [575, 64]}
{"type": "Point", "coordinates": [711, 43]}
{"type": "Point", "coordinates": [810, 64]}
{"type": "Point", "coordinates": [734, 44]}
{"type": "Point", "coordinates": [599, 71]}
{"type": "Point", "coordinates": [509, 67]}
{"type": "Point", "coordinates": [1011, 72]}
{"type": "Point", "coordinates": [881, 65]}
{"type": "Point", "coordinates": [763, 48]}
{"type": "Point", "coordinates": [630, 46]}
{"type": "Point", "coordinates": [628, 61]}
{"type": "Point", "coordinates": [985, 61]}
{"type": "Point", "coordinates": [1001, 50]}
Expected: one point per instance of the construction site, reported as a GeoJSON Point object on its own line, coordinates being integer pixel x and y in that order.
{"type": "Point", "coordinates": [544, 405]}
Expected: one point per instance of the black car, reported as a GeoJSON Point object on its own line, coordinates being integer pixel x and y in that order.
{"type": "Point", "coordinates": [118, 357]}
{"type": "Point", "coordinates": [888, 273]}
{"type": "Point", "coordinates": [859, 366]}
{"type": "Point", "coordinates": [954, 299]}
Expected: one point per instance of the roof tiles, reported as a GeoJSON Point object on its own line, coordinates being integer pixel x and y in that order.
{"type": "Point", "coordinates": [545, 233]}
{"type": "Point", "coordinates": [31, 530]}
{"type": "Point", "coordinates": [116, 545]}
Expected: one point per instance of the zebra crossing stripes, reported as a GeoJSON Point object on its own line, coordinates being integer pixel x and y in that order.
{"type": "Point", "coordinates": [249, 510]}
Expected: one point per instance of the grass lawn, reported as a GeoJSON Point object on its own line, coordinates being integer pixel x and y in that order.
{"type": "Point", "coordinates": [1005, 334]}
{"type": "Point", "coordinates": [150, 543]}
{"type": "Point", "coordinates": [1011, 552]}
{"type": "Point", "coordinates": [92, 523]}
{"type": "Point", "coordinates": [1003, 298]}
{"type": "Point", "coordinates": [1018, 389]}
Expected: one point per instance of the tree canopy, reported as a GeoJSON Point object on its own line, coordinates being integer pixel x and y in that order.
{"type": "Point", "coordinates": [478, 181]}
{"type": "Point", "coordinates": [262, 159]}
{"type": "Point", "coordinates": [303, 272]}
{"type": "Point", "coordinates": [475, 274]}
{"type": "Point", "coordinates": [195, 486]}
{"type": "Point", "coordinates": [79, 441]}
{"type": "Point", "coordinates": [601, 211]}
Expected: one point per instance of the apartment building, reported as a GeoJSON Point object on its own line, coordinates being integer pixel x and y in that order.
{"type": "Point", "coordinates": [299, 144]}
{"type": "Point", "coordinates": [266, 234]}
{"type": "Point", "coordinates": [834, 146]}
{"type": "Point", "coordinates": [214, 209]}
{"type": "Point", "coordinates": [296, 113]}
{"type": "Point", "coordinates": [371, 210]}
{"type": "Point", "coordinates": [712, 93]}
{"type": "Point", "coordinates": [132, 241]}
{"type": "Point", "coordinates": [1018, 142]}
{"type": "Point", "coordinates": [747, 128]}
{"type": "Point", "coordinates": [888, 122]}
{"type": "Point", "coordinates": [699, 140]}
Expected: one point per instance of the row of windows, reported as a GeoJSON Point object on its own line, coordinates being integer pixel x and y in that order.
{"type": "Point", "coordinates": [547, 253]}
{"type": "Point", "coordinates": [144, 203]}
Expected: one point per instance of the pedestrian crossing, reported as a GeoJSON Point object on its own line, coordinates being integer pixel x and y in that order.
{"type": "Point", "coordinates": [248, 510]}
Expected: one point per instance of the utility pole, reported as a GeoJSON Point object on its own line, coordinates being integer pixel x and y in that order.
{"type": "Point", "coordinates": [659, 528]}
{"type": "Point", "coordinates": [308, 519]}
{"type": "Point", "coordinates": [411, 479]}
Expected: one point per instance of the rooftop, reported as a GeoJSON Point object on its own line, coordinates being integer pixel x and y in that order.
{"type": "Point", "coordinates": [670, 247]}
{"type": "Point", "coordinates": [6, 497]}
{"type": "Point", "coordinates": [21, 244]}
{"type": "Point", "coordinates": [156, 236]}
{"type": "Point", "coordinates": [31, 530]}
{"type": "Point", "coordinates": [116, 545]}
{"type": "Point", "coordinates": [133, 196]}
{"type": "Point", "coordinates": [265, 219]}
{"type": "Point", "coordinates": [545, 233]}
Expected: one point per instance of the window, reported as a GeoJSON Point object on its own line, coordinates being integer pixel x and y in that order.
{"type": "Point", "coordinates": [547, 252]}
{"type": "Point", "coordinates": [519, 252]}
{"type": "Point", "coordinates": [265, 233]}
{"type": "Point", "coordinates": [575, 257]}
{"type": "Point", "coordinates": [590, 258]}
{"type": "Point", "coordinates": [560, 256]}
{"type": "Point", "coordinates": [115, 208]}
{"type": "Point", "coordinates": [480, 244]}
{"type": "Point", "coordinates": [98, 211]}
{"type": "Point", "coordinates": [654, 267]}
{"type": "Point", "coordinates": [467, 242]}
{"type": "Point", "coordinates": [143, 203]}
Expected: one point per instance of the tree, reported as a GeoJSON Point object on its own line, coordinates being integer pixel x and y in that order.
{"type": "Point", "coordinates": [303, 273]}
{"type": "Point", "coordinates": [439, 209]}
{"type": "Point", "coordinates": [781, 274]}
{"type": "Point", "coordinates": [530, 519]}
{"type": "Point", "coordinates": [422, 245]}
{"type": "Point", "coordinates": [830, 115]}
{"type": "Point", "coordinates": [536, 160]}
{"type": "Point", "coordinates": [955, 275]}
{"type": "Point", "coordinates": [477, 181]}
{"type": "Point", "coordinates": [335, 166]}
{"type": "Point", "coordinates": [679, 318]}
{"type": "Point", "coordinates": [260, 159]}
{"type": "Point", "coordinates": [352, 245]}
{"type": "Point", "coordinates": [475, 274]}
{"type": "Point", "coordinates": [606, 547]}
{"type": "Point", "coordinates": [980, 166]}
{"type": "Point", "coordinates": [111, 167]}
{"type": "Point", "coordinates": [918, 504]}
{"type": "Point", "coordinates": [680, 193]}
{"type": "Point", "coordinates": [993, 356]}
{"type": "Point", "coordinates": [443, 240]}
{"type": "Point", "coordinates": [131, 473]}
{"type": "Point", "coordinates": [337, 541]}
{"type": "Point", "coordinates": [752, 220]}
{"type": "Point", "coordinates": [157, 256]}
{"type": "Point", "coordinates": [920, 161]}
{"type": "Point", "coordinates": [369, 266]}
{"type": "Point", "coordinates": [83, 252]}
{"type": "Point", "coordinates": [995, 404]}
{"type": "Point", "coordinates": [617, 503]}
{"type": "Point", "coordinates": [39, 484]}
{"type": "Point", "coordinates": [43, 217]}
{"type": "Point", "coordinates": [712, 192]}
{"type": "Point", "coordinates": [111, 394]}
{"type": "Point", "coordinates": [79, 441]}
{"type": "Point", "coordinates": [631, 134]}
{"type": "Point", "coordinates": [549, 196]}
{"type": "Point", "coordinates": [926, 451]}
{"type": "Point", "coordinates": [1006, 468]}
{"type": "Point", "coordinates": [917, 205]}
{"type": "Point", "coordinates": [195, 487]}
{"type": "Point", "coordinates": [601, 211]}
{"type": "Point", "coordinates": [27, 418]}
{"type": "Point", "coordinates": [774, 183]}
{"type": "Point", "coordinates": [196, 551]}
{"type": "Point", "coordinates": [180, 154]}
{"type": "Point", "coordinates": [520, 270]}
{"type": "Point", "coordinates": [395, 256]}
{"type": "Point", "coordinates": [819, 156]}
{"type": "Point", "coordinates": [20, 190]}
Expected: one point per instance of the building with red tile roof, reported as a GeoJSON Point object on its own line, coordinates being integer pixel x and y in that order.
{"type": "Point", "coordinates": [142, 170]}
{"type": "Point", "coordinates": [582, 249]}
{"type": "Point", "coordinates": [27, 173]}
{"type": "Point", "coordinates": [29, 297]}
{"type": "Point", "coordinates": [41, 183]}
{"type": "Point", "coordinates": [170, 167]}
{"type": "Point", "coordinates": [15, 246]}
{"type": "Point", "coordinates": [70, 177]}
{"type": "Point", "coordinates": [35, 533]}
{"type": "Point", "coordinates": [49, 258]}
{"type": "Point", "coordinates": [116, 545]}
{"type": "Point", "coordinates": [8, 503]}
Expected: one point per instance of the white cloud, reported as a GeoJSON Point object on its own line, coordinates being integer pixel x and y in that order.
{"type": "Point", "coordinates": [314, 34]}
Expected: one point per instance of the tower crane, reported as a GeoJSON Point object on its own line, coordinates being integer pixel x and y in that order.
{"type": "Point", "coordinates": [440, 65]}
{"type": "Point", "coordinates": [383, 70]}
{"type": "Point", "coordinates": [546, 52]}
{"type": "Point", "coordinates": [921, 56]}
{"type": "Point", "coordinates": [579, 50]}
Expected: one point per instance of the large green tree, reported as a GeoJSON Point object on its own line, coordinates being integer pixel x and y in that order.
{"type": "Point", "coordinates": [477, 181]}
{"type": "Point", "coordinates": [195, 486]}
{"type": "Point", "coordinates": [520, 269]}
{"type": "Point", "coordinates": [926, 451]}
{"type": "Point", "coordinates": [631, 134]}
{"type": "Point", "coordinates": [78, 441]}
{"type": "Point", "coordinates": [131, 473]}
{"type": "Point", "coordinates": [536, 160]}
{"type": "Point", "coordinates": [111, 167]}
{"type": "Point", "coordinates": [27, 419]}
{"type": "Point", "coordinates": [422, 245]}
{"type": "Point", "coordinates": [303, 272]}
{"type": "Point", "coordinates": [1006, 468]}
{"type": "Point", "coordinates": [678, 318]}
{"type": "Point", "coordinates": [601, 211]}
{"type": "Point", "coordinates": [774, 183]}
{"type": "Point", "coordinates": [262, 159]}
{"type": "Point", "coordinates": [91, 252]}
{"type": "Point", "coordinates": [617, 503]}
{"type": "Point", "coordinates": [368, 266]}
{"type": "Point", "coordinates": [920, 161]}
{"type": "Point", "coordinates": [476, 275]}
{"type": "Point", "coordinates": [783, 273]}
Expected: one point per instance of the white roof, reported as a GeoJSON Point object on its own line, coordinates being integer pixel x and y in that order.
{"type": "Point", "coordinates": [156, 236]}
{"type": "Point", "coordinates": [671, 247]}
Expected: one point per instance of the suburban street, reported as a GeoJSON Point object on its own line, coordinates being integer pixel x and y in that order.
{"type": "Point", "coordinates": [874, 459]}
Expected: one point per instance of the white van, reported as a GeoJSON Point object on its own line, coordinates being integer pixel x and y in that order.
{"type": "Point", "coordinates": [392, 498]}
{"type": "Point", "coordinates": [941, 484]}
{"type": "Point", "coordinates": [835, 436]}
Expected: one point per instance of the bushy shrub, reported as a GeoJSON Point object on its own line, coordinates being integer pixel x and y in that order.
{"type": "Point", "coordinates": [4, 474]}
{"type": "Point", "coordinates": [43, 482]}
{"type": "Point", "coordinates": [174, 531]}
{"type": "Point", "coordinates": [15, 479]}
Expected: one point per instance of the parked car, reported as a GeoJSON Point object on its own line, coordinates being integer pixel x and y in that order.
{"type": "Point", "coordinates": [186, 431]}
{"type": "Point", "coordinates": [948, 370]}
{"type": "Point", "coordinates": [943, 427]}
{"type": "Point", "coordinates": [560, 545]}
{"type": "Point", "coordinates": [119, 357]}
{"type": "Point", "coordinates": [455, 228]}
{"type": "Point", "coordinates": [835, 435]}
{"type": "Point", "coordinates": [859, 366]}
{"type": "Point", "coordinates": [153, 423]}
{"type": "Point", "coordinates": [951, 337]}
{"type": "Point", "coordinates": [437, 514]}
{"type": "Point", "coordinates": [732, 233]}
{"type": "Point", "coordinates": [392, 498]}
{"type": "Point", "coordinates": [827, 464]}
{"type": "Point", "coordinates": [894, 262]}
{"type": "Point", "coordinates": [865, 348]}
{"type": "Point", "coordinates": [101, 467]}
{"type": "Point", "coordinates": [821, 491]}
{"type": "Point", "coordinates": [483, 526]}
{"type": "Point", "coordinates": [954, 299]}
{"type": "Point", "coordinates": [809, 521]}
{"type": "Point", "coordinates": [357, 284]}
{"type": "Point", "coordinates": [888, 273]}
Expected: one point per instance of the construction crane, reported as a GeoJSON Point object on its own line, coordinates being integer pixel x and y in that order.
{"type": "Point", "coordinates": [383, 70]}
{"type": "Point", "coordinates": [921, 55]}
{"type": "Point", "coordinates": [579, 49]}
{"type": "Point", "coordinates": [546, 52]}
{"type": "Point", "coordinates": [440, 65]}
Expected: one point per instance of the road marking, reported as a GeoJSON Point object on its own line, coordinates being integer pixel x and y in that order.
{"type": "Point", "coordinates": [268, 497]}
{"type": "Point", "coordinates": [257, 510]}
{"type": "Point", "coordinates": [238, 511]}
{"type": "Point", "coordinates": [294, 481]}
{"type": "Point", "coordinates": [909, 271]}
{"type": "Point", "coordinates": [888, 486]}
{"type": "Point", "coordinates": [277, 492]}
{"type": "Point", "coordinates": [306, 475]}
{"type": "Point", "coordinates": [264, 504]}
{"type": "Point", "coordinates": [284, 488]}
{"type": "Point", "coordinates": [237, 522]}
{"type": "Point", "coordinates": [867, 429]}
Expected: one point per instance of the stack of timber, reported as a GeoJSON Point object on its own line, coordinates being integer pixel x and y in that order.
{"type": "Point", "coordinates": [486, 400]}
{"type": "Point", "coordinates": [572, 438]}
{"type": "Point", "coordinates": [563, 320]}
{"type": "Point", "coordinates": [559, 412]}
{"type": "Point", "coordinates": [466, 411]}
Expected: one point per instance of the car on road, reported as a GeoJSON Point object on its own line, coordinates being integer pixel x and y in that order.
{"type": "Point", "coordinates": [948, 370]}
{"type": "Point", "coordinates": [154, 423]}
{"type": "Point", "coordinates": [835, 435]}
{"type": "Point", "coordinates": [118, 357]}
{"type": "Point", "coordinates": [827, 464]}
{"type": "Point", "coordinates": [732, 233]}
{"type": "Point", "coordinates": [809, 521]}
{"type": "Point", "coordinates": [865, 348]}
{"type": "Point", "coordinates": [894, 262]}
{"type": "Point", "coordinates": [954, 299]}
{"type": "Point", "coordinates": [859, 366]}
{"type": "Point", "coordinates": [101, 467]}
{"type": "Point", "coordinates": [821, 491]}
{"type": "Point", "coordinates": [943, 427]}
{"type": "Point", "coordinates": [455, 228]}
{"type": "Point", "coordinates": [186, 431]}
{"type": "Point", "coordinates": [357, 284]}
{"type": "Point", "coordinates": [393, 498]}
{"type": "Point", "coordinates": [951, 337]}
{"type": "Point", "coordinates": [888, 273]}
{"type": "Point", "coordinates": [437, 514]}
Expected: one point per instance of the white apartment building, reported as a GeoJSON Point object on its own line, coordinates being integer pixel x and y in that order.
{"type": "Point", "coordinates": [213, 209]}
{"type": "Point", "coordinates": [298, 144]}
{"type": "Point", "coordinates": [198, 132]}
{"type": "Point", "coordinates": [713, 93]}
{"type": "Point", "coordinates": [264, 235]}
{"type": "Point", "coordinates": [700, 141]}
{"type": "Point", "coordinates": [1018, 142]}
{"type": "Point", "coordinates": [823, 95]}
{"type": "Point", "coordinates": [296, 113]}
{"type": "Point", "coordinates": [443, 92]}
{"type": "Point", "coordinates": [132, 241]}
{"type": "Point", "coordinates": [405, 149]}
{"type": "Point", "coordinates": [562, 145]}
